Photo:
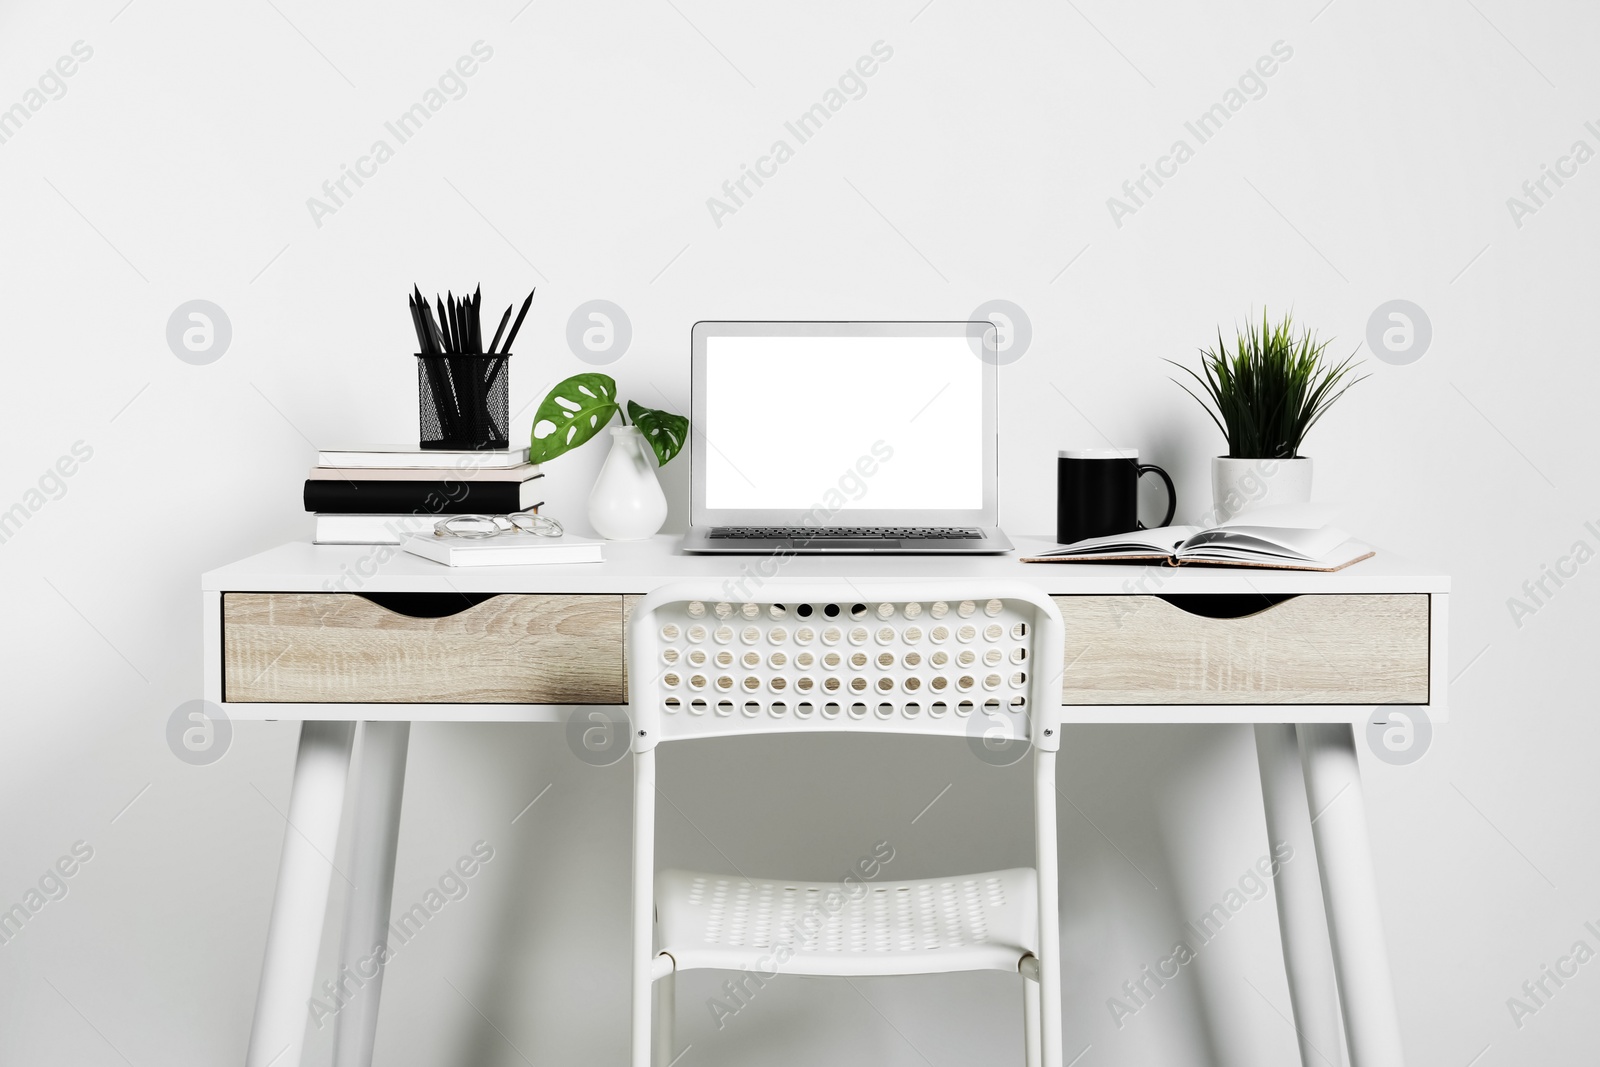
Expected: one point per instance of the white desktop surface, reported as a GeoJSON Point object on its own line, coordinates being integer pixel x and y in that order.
{"type": "Point", "coordinates": [640, 566]}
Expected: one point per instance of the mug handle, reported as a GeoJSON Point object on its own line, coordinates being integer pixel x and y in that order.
{"type": "Point", "coordinates": [1172, 494]}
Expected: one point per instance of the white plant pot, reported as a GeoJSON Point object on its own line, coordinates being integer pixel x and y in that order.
{"type": "Point", "coordinates": [627, 503]}
{"type": "Point", "coordinates": [1237, 484]}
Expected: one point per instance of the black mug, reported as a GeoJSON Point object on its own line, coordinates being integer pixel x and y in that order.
{"type": "Point", "coordinates": [1097, 492]}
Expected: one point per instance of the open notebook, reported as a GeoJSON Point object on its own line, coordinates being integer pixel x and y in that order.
{"type": "Point", "coordinates": [1244, 541]}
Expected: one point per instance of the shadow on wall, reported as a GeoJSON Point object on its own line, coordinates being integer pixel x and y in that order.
{"type": "Point", "coordinates": [559, 959]}
{"type": "Point", "coordinates": [1118, 865]}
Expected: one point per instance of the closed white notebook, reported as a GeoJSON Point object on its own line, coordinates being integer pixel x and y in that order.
{"type": "Point", "coordinates": [506, 550]}
{"type": "Point", "coordinates": [369, 529]}
{"type": "Point", "coordinates": [520, 473]}
{"type": "Point", "coordinates": [422, 458]}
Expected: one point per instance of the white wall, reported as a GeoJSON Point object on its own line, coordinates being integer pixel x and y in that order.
{"type": "Point", "coordinates": [977, 166]}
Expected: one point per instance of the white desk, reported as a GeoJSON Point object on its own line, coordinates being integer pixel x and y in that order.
{"type": "Point", "coordinates": [290, 634]}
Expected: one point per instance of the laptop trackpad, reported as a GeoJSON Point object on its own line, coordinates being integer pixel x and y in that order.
{"type": "Point", "coordinates": [846, 544]}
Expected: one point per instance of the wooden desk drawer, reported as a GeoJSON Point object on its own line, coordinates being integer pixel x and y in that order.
{"type": "Point", "coordinates": [341, 648]}
{"type": "Point", "coordinates": [1314, 649]}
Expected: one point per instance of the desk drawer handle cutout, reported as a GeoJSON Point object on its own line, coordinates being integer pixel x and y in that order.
{"type": "Point", "coordinates": [1226, 605]}
{"type": "Point", "coordinates": [427, 605]}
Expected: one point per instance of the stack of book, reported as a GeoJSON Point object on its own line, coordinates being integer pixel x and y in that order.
{"type": "Point", "coordinates": [381, 494]}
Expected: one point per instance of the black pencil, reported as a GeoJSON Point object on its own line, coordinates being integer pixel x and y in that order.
{"type": "Point", "coordinates": [515, 326]}
{"type": "Point", "coordinates": [502, 327]}
{"type": "Point", "coordinates": [428, 338]}
{"type": "Point", "coordinates": [477, 321]}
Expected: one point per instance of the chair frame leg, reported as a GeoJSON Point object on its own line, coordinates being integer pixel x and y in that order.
{"type": "Point", "coordinates": [666, 1011]}
{"type": "Point", "coordinates": [1031, 1032]}
{"type": "Point", "coordinates": [1044, 826]}
{"type": "Point", "coordinates": [644, 859]}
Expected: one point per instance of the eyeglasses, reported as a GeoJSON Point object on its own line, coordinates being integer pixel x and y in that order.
{"type": "Point", "coordinates": [479, 527]}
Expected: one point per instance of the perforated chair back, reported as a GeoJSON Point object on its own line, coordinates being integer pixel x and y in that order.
{"type": "Point", "coordinates": [887, 657]}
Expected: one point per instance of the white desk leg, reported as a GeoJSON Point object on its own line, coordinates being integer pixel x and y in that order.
{"type": "Point", "coordinates": [305, 871]}
{"type": "Point", "coordinates": [1301, 922]}
{"type": "Point", "coordinates": [379, 782]}
{"type": "Point", "coordinates": [1350, 894]}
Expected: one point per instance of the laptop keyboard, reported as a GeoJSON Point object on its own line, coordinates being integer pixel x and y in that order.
{"type": "Point", "coordinates": [851, 533]}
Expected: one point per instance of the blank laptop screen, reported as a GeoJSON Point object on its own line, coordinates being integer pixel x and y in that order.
{"type": "Point", "coordinates": [787, 419]}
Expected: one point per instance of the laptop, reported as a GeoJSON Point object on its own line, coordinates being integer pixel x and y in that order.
{"type": "Point", "coordinates": [844, 437]}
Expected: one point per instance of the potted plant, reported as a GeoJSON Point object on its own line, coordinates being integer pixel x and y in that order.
{"type": "Point", "coordinates": [627, 503]}
{"type": "Point", "coordinates": [1265, 396]}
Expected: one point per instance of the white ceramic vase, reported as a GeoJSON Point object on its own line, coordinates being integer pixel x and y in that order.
{"type": "Point", "coordinates": [627, 503]}
{"type": "Point", "coordinates": [1237, 484]}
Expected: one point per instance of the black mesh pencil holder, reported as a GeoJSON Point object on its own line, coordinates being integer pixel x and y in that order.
{"type": "Point", "coordinates": [463, 401]}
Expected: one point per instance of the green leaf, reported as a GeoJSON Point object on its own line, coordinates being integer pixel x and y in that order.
{"type": "Point", "coordinates": [665, 431]}
{"type": "Point", "coordinates": [572, 412]}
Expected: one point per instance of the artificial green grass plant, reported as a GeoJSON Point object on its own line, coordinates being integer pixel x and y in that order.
{"type": "Point", "coordinates": [1267, 394]}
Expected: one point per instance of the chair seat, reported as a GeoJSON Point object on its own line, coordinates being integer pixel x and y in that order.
{"type": "Point", "coordinates": [972, 922]}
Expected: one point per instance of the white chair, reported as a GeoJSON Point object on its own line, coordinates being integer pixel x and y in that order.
{"type": "Point", "coordinates": [959, 659]}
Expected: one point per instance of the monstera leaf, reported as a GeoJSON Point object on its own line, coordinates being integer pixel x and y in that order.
{"type": "Point", "coordinates": [574, 411]}
{"type": "Point", "coordinates": [665, 431]}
